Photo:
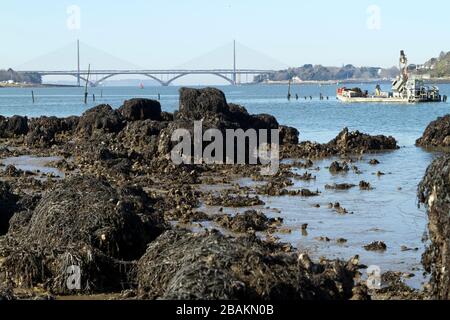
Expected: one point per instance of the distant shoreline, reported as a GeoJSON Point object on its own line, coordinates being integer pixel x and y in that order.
{"type": "Point", "coordinates": [350, 81]}
{"type": "Point", "coordinates": [35, 85]}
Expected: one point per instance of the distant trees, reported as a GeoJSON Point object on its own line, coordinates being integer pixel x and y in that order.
{"type": "Point", "coordinates": [10, 74]}
{"type": "Point", "coordinates": [309, 72]}
{"type": "Point", "coordinates": [437, 67]}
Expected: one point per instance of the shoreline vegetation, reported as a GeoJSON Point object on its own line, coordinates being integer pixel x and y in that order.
{"type": "Point", "coordinates": [34, 85]}
{"type": "Point", "coordinates": [130, 222]}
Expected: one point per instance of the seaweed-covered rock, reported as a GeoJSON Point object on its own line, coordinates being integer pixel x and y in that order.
{"type": "Point", "coordinates": [355, 142]}
{"type": "Point", "coordinates": [345, 143]}
{"type": "Point", "coordinates": [88, 210]}
{"type": "Point", "coordinates": [337, 167]}
{"type": "Point", "coordinates": [210, 105]}
{"type": "Point", "coordinates": [6, 294]}
{"type": "Point", "coordinates": [141, 109]}
{"type": "Point", "coordinates": [196, 104]}
{"type": "Point", "coordinates": [186, 266]}
{"type": "Point", "coordinates": [83, 222]}
{"type": "Point", "coordinates": [43, 130]}
{"type": "Point", "coordinates": [13, 126]}
{"type": "Point", "coordinates": [142, 137]}
{"type": "Point", "coordinates": [437, 134]}
{"type": "Point", "coordinates": [289, 135]}
{"type": "Point", "coordinates": [434, 192]}
{"type": "Point", "coordinates": [102, 118]}
{"type": "Point", "coordinates": [7, 206]}
{"type": "Point", "coordinates": [249, 220]}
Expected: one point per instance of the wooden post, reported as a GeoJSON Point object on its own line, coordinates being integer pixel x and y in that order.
{"type": "Point", "coordinates": [32, 95]}
{"type": "Point", "coordinates": [86, 87]}
{"type": "Point", "coordinates": [289, 91]}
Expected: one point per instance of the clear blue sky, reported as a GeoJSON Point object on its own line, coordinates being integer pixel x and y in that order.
{"type": "Point", "coordinates": [162, 34]}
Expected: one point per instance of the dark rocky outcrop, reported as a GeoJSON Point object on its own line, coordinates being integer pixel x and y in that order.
{"type": "Point", "coordinates": [357, 142]}
{"type": "Point", "coordinates": [141, 109]}
{"type": "Point", "coordinates": [210, 106]}
{"type": "Point", "coordinates": [142, 137]}
{"type": "Point", "coordinates": [184, 266]}
{"type": "Point", "coordinates": [434, 192]}
{"type": "Point", "coordinates": [13, 126]}
{"type": "Point", "coordinates": [437, 134]}
{"type": "Point", "coordinates": [44, 130]}
{"type": "Point", "coordinates": [345, 143]}
{"type": "Point", "coordinates": [102, 118]}
{"type": "Point", "coordinates": [82, 221]}
{"type": "Point", "coordinates": [289, 135]}
{"type": "Point", "coordinates": [8, 206]}
{"type": "Point", "coordinates": [248, 221]}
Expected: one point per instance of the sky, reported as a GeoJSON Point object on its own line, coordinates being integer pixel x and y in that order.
{"type": "Point", "coordinates": [166, 34]}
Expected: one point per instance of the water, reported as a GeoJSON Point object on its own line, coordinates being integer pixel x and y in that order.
{"type": "Point", "coordinates": [34, 164]}
{"type": "Point", "coordinates": [388, 213]}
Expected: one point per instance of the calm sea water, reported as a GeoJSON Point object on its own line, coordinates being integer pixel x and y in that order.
{"type": "Point", "coordinates": [388, 213]}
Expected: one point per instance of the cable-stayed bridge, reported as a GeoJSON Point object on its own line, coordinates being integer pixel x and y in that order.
{"type": "Point", "coordinates": [230, 75]}
{"type": "Point", "coordinates": [207, 64]}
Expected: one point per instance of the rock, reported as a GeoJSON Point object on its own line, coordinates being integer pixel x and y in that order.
{"type": "Point", "coordinates": [357, 142]}
{"type": "Point", "coordinates": [249, 220]}
{"type": "Point", "coordinates": [8, 205]}
{"type": "Point", "coordinates": [341, 241]}
{"type": "Point", "coordinates": [434, 191]}
{"type": "Point", "coordinates": [12, 171]}
{"type": "Point", "coordinates": [405, 248]}
{"type": "Point", "coordinates": [13, 126]}
{"type": "Point", "coordinates": [344, 144]}
{"type": "Point", "coordinates": [337, 167]}
{"type": "Point", "coordinates": [376, 246]}
{"type": "Point", "coordinates": [340, 186]}
{"type": "Point", "coordinates": [437, 134]}
{"type": "Point", "coordinates": [210, 106]}
{"type": "Point", "coordinates": [323, 239]}
{"type": "Point", "coordinates": [100, 119]}
{"type": "Point", "coordinates": [339, 209]}
{"type": "Point", "coordinates": [166, 116]}
{"type": "Point", "coordinates": [197, 104]}
{"type": "Point", "coordinates": [374, 162]}
{"type": "Point", "coordinates": [86, 222]}
{"type": "Point", "coordinates": [44, 130]}
{"type": "Point", "coordinates": [142, 137]}
{"type": "Point", "coordinates": [6, 293]}
{"type": "Point", "coordinates": [185, 266]}
{"type": "Point", "coordinates": [264, 121]}
{"type": "Point", "coordinates": [141, 109]}
{"type": "Point", "coordinates": [363, 185]}
{"type": "Point", "coordinates": [289, 135]}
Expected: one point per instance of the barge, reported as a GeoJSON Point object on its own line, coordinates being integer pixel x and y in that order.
{"type": "Point", "coordinates": [405, 89]}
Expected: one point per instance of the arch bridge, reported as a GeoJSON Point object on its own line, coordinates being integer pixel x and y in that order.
{"type": "Point", "coordinates": [229, 75]}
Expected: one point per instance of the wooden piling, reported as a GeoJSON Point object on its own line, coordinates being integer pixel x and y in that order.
{"type": "Point", "coordinates": [86, 87]}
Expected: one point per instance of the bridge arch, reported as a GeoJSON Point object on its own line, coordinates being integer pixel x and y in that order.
{"type": "Point", "coordinates": [116, 74]}
{"type": "Point", "coordinates": [189, 73]}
